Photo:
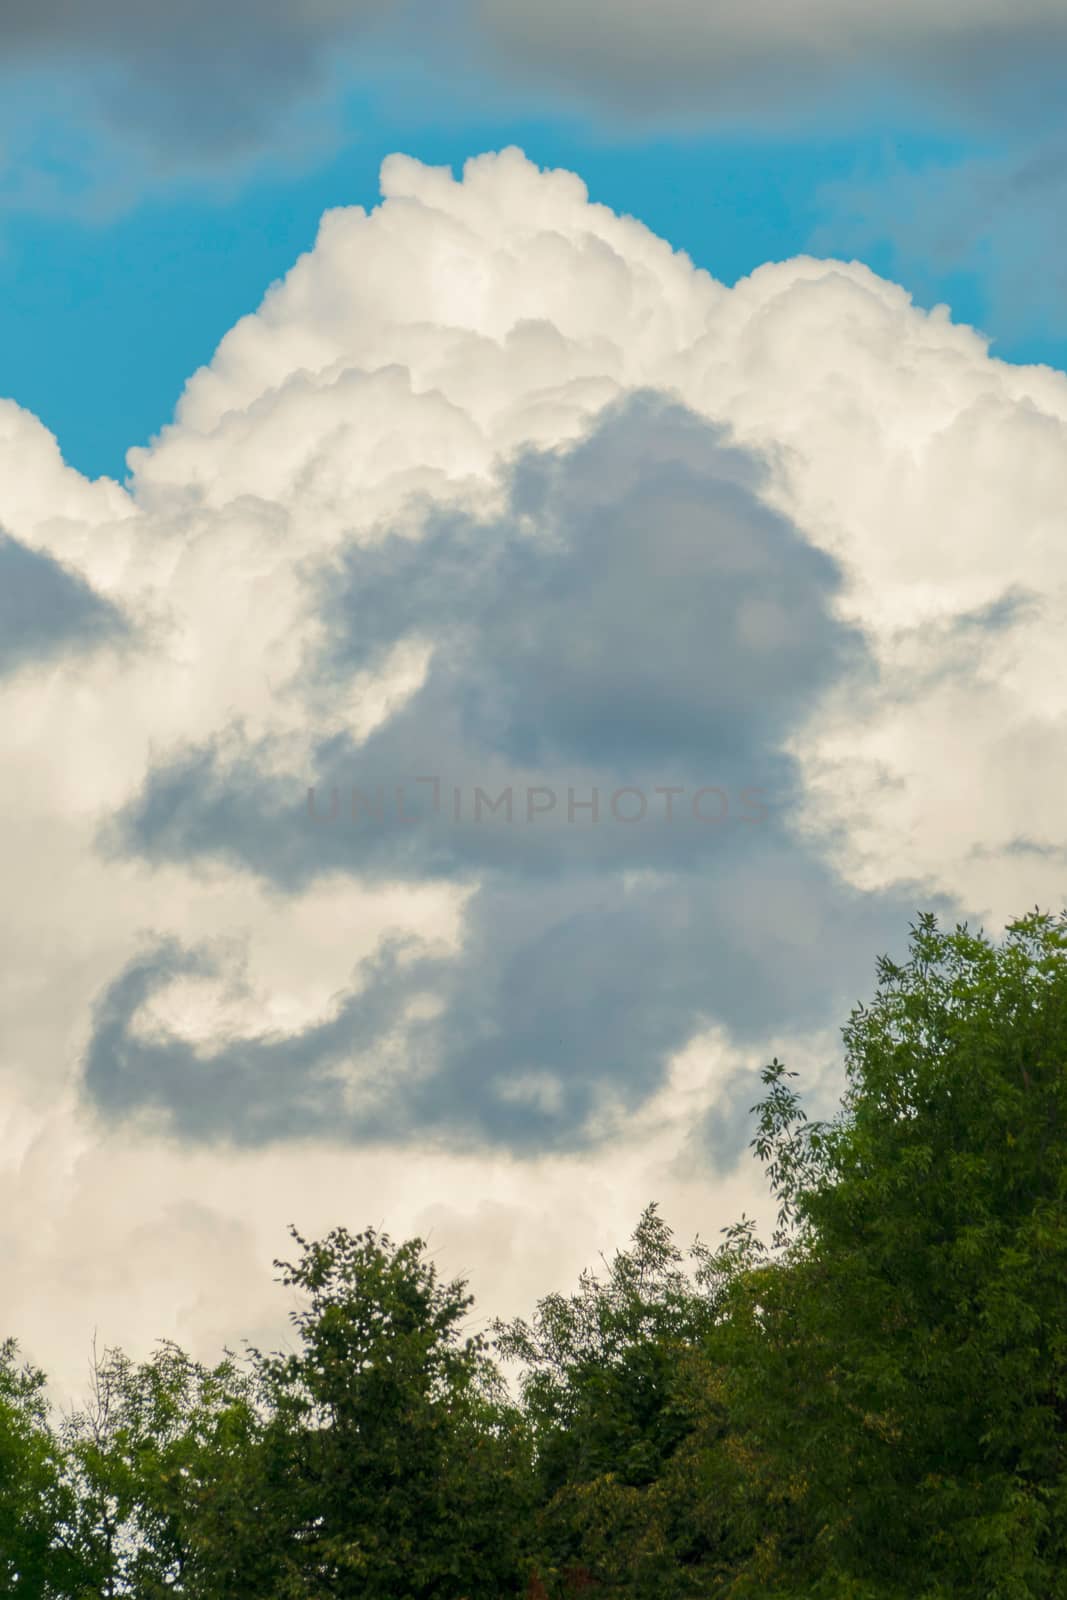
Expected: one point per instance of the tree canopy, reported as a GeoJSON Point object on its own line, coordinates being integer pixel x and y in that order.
{"type": "Point", "coordinates": [869, 1405]}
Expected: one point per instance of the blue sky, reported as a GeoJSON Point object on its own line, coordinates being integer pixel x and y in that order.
{"type": "Point", "coordinates": [120, 274]}
{"type": "Point", "coordinates": [629, 461]}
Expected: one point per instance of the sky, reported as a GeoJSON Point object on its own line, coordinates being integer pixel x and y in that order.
{"type": "Point", "coordinates": [531, 549]}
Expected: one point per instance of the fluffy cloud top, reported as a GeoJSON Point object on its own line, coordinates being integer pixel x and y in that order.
{"type": "Point", "coordinates": [495, 488]}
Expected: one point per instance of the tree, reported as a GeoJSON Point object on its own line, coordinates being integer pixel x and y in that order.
{"type": "Point", "coordinates": [900, 1364]}
{"type": "Point", "coordinates": [39, 1557]}
{"type": "Point", "coordinates": [613, 1400]}
{"type": "Point", "coordinates": [398, 1467]}
{"type": "Point", "coordinates": [159, 1462]}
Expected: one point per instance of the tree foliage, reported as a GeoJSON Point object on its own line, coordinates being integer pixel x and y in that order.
{"type": "Point", "coordinates": [902, 1371]}
{"type": "Point", "coordinates": [153, 1458]}
{"type": "Point", "coordinates": [870, 1405]}
{"type": "Point", "coordinates": [39, 1558]}
{"type": "Point", "coordinates": [398, 1464]}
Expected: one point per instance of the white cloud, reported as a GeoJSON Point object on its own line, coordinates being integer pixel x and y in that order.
{"type": "Point", "coordinates": [395, 372]}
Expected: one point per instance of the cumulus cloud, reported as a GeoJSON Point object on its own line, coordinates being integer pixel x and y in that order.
{"type": "Point", "coordinates": [497, 488]}
{"type": "Point", "coordinates": [615, 663]}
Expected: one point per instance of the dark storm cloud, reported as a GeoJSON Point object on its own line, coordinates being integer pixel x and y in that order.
{"type": "Point", "coordinates": [639, 619]}
{"type": "Point", "coordinates": [45, 610]}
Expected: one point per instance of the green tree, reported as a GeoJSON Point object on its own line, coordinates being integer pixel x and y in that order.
{"type": "Point", "coordinates": [615, 1402]}
{"type": "Point", "coordinates": [159, 1462]}
{"type": "Point", "coordinates": [398, 1466]}
{"type": "Point", "coordinates": [39, 1554]}
{"type": "Point", "coordinates": [899, 1365]}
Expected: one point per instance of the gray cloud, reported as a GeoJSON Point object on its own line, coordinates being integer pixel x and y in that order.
{"type": "Point", "coordinates": [46, 609]}
{"type": "Point", "coordinates": [201, 78]}
{"type": "Point", "coordinates": [580, 991]}
{"type": "Point", "coordinates": [207, 80]}
{"type": "Point", "coordinates": [657, 610]}
{"type": "Point", "coordinates": [251, 1092]}
{"type": "Point", "coordinates": [641, 618]}
{"type": "Point", "coordinates": [707, 61]}
{"type": "Point", "coordinates": [954, 646]}
{"type": "Point", "coordinates": [607, 632]}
